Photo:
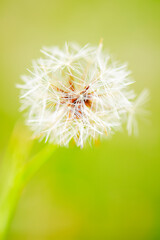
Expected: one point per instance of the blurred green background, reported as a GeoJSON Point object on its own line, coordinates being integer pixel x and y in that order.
{"type": "Point", "coordinates": [110, 191]}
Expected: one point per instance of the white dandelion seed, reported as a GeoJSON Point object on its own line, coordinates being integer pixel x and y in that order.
{"type": "Point", "coordinates": [137, 110]}
{"type": "Point", "coordinates": [78, 93]}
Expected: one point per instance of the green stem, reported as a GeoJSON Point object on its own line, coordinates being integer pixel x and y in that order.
{"type": "Point", "coordinates": [10, 200]}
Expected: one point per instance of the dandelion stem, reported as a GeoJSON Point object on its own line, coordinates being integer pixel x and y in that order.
{"type": "Point", "coordinates": [10, 199]}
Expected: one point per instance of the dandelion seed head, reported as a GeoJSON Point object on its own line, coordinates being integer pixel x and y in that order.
{"type": "Point", "coordinates": [78, 93]}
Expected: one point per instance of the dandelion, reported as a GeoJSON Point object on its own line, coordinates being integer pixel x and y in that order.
{"type": "Point", "coordinates": [78, 93]}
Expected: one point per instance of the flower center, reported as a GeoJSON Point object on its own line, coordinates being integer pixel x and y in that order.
{"type": "Point", "coordinates": [77, 104]}
{"type": "Point", "coordinates": [75, 101]}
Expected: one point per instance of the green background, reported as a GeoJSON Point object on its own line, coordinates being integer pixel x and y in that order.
{"type": "Point", "coordinates": [110, 191]}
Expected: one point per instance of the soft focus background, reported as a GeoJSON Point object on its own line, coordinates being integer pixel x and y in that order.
{"type": "Point", "coordinates": [110, 191]}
